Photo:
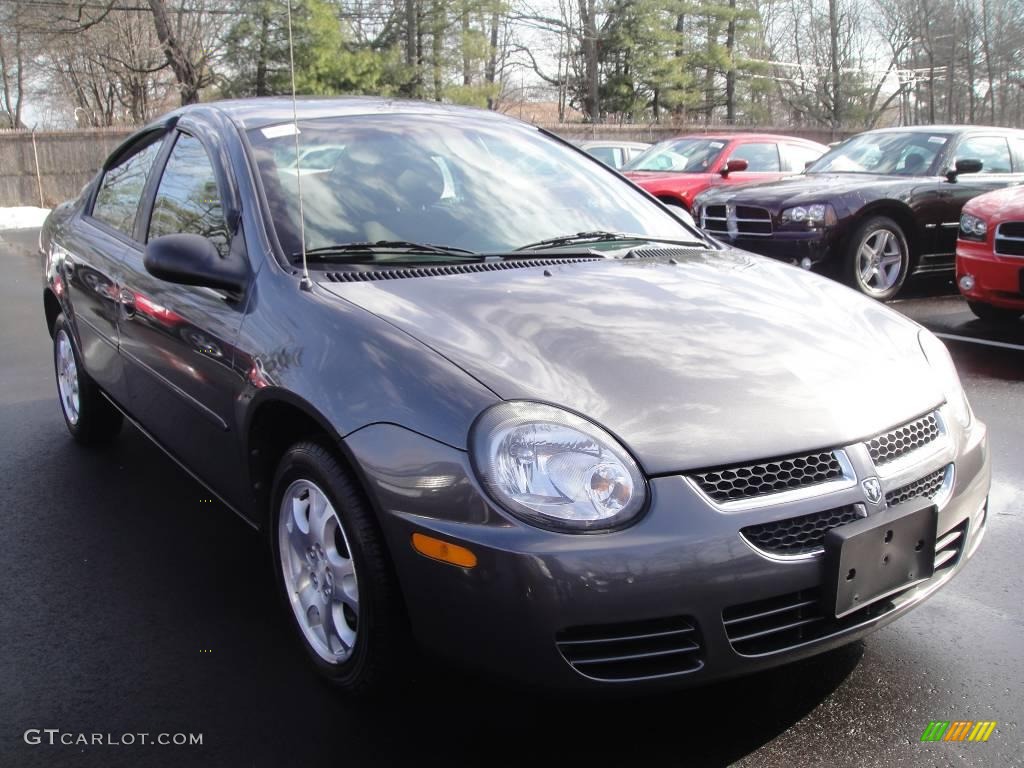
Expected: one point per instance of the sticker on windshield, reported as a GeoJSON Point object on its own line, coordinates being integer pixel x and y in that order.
{"type": "Point", "coordinates": [716, 144]}
{"type": "Point", "coordinates": [936, 139]}
{"type": "Point", "coordinates": [277, 131]}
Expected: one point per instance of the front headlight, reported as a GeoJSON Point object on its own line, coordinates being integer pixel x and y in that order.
{"type": "Point", "coordinates": [555, 469]}
{"type": "Point", "coordinates": [818, 215]}
{"type": "Point", "coordinates": [972, 228]}
{"type": "Point", "coordinates": [942, 364]}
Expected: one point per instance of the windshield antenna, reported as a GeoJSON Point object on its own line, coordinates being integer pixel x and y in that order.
{"type": "Point", "coordinates": [305, 284]}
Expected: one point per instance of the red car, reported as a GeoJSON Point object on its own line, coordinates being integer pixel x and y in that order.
{"type": "Point", "coordinates": [675, 171]}
{"type": "Point", "coordinates": [990, 255]}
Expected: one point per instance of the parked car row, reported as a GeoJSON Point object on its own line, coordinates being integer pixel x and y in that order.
{"type": "Point", "coordinates": [869, 211]}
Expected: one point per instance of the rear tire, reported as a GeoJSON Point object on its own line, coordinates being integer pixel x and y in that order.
{"type": "Point", "coordinates": [878, 260]}
{"type": "Point", "coordinates": [334, 573]}
{"type": "Point", "coordinates": [89, 416]}
{"type": "Point", "coordinates": [994, 315]}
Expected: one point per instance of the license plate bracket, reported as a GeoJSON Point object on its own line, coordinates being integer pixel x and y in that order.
{"type": "Point", "coordinates": [872, 558]}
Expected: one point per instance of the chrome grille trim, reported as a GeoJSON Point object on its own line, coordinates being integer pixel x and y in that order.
{"type": "Point", "coordinates": [935, 486]}
{"type": "Point", "coordinates": [801, 537]}
{"type": "Point", "coordinates": [736, 220]}
{"type": "Point", "coordinates": [638, 650]}
{"type": "Point", "coordinates": [837, 474]}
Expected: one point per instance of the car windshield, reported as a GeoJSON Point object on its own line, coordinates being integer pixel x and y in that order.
{"type": "Point", "coordinates": [473, 183]}
{"type": "Point", "coordinates": [680, 155]}
{"type": "Point", "coordinates": [909, 153]}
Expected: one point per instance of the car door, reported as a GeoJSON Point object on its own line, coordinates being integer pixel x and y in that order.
{"type": "Point", "coordinates": [93, 256]}
{"type": "Point", "coordinates": [177, 340]}
{"type": "Point", "coordinates": [763, 162]}
{"type": "Point", "coordinates": [998, 171]}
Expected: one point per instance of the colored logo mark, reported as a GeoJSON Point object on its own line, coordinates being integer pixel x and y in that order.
{"type": "Point", "coordinates": [958, 730]}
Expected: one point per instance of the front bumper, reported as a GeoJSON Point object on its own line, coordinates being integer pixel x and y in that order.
{"type": "Point", "coordinates": [997, 279]}
{"type": "Point", "coordinates": [537, 601]}
{"type": "Point", "coordinates": [821, 246]}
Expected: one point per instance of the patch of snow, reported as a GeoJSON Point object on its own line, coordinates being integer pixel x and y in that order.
{"type": "Point", "coordinates": [23, 217]}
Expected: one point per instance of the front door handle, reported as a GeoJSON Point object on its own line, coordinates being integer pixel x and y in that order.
{"type": "Point", "coordinates": [127, 299]}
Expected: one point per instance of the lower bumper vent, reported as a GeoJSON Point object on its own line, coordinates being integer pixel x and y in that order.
{"type": "Point", "coordinates": [633, 651]}
{"type": "Point", "coordinates": [779, 623]}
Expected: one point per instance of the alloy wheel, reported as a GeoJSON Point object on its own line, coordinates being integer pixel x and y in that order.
{"type": "Point", "coordinates": [67, 378]}
{"type": "Point", "coordinates": [319, 571]}
{"type": "Point", "coordinates": [880, 261]}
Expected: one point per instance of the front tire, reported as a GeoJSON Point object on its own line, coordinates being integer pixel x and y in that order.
{"type": "Point", "coordinates": [89, 416]}
{"type": "Point", "coordinates": [334, 572]}
{"type": "Point", "coordinates": [878, 259]}
{"type": "Point", "coordinates": [994, 315]}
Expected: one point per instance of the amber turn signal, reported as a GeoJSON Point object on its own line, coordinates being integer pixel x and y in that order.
{"type": "Point", "coordinates": [443, 551]}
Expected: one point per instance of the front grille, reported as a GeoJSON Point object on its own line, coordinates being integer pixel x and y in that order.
{"type": "Point", "coordinates": [1009, 240]}
{"type": "Point", "coordinates": [747, 220]}
{"type": "Point", "coordinates": [779, 623]}
{"type": "Point", "coordinates": [751, 480]}
{"type": "Point", "coordinates": [798, 535]}
{"type": "Point", "coordinates": [927, 487]}
{"type": "Point", "coordinates": [903, 440]}
{"type": "Point", "coordinates": [633, 650]}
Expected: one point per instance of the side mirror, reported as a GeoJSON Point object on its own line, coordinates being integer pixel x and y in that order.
{"type": "Point", "coordinates": [968, 165]}
{"type": "Point", "coordinates": [733, 166]}
{"type": "Point", "coordinates": [192, 260]}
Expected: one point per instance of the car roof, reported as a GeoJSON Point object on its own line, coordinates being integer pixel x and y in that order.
{"type": "Point", "coordinates": [270, 110]}
{"type": "Point", "coordinates": [744, 137]}
{"type": "Point", "coordinates": [956, 129]}
{"type": "Point", "coordinates": [589, 143]}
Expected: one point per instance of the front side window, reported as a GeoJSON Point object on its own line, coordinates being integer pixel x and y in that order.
{"type": "Point", "coordinates": [899, 153]}
{"type": "Point", "coordinates": [761, 157]}
{"type": "Point", "coordinates": [993, 151]}
{"type": "Point", "coordinates": [473, 183]}
{"type": "Point", "coordinates": [187, 200]}
{"type": "Point", "coordinates": [117, 201]}
{"type": "Point", "coordinates": [680, 155]}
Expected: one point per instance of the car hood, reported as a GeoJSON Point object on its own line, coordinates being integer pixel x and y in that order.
{"type": "Point", "coordinates": [811, 188]}
{"type": "Point", "coordinates": [1001, 205]}
{"type": "Point", "coordinates": [720, 357]}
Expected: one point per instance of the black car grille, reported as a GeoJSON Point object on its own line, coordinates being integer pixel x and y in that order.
{"type": "Point", "coordinates": [903, 440]}
{"type": "Point", "coordinates": [750, 221]}
{"type": "Point", "coordinates": [927, 486]}
{"type": "Point", "coordinates": [798, 535]}
{"type": "Point", "coordinates": [1009, 240]}
{"type": "Point", "coordinates": [633, 650]}
{"type": "Point", "coordinates": [751, 480]}
{"type": "Point", "coordinates": [779, 623]}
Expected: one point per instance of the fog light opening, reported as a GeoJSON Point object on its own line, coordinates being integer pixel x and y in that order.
{"type": "Point", "coordinates": [805, 262]}
{"type": "Point", "coordinates": [967, 283]}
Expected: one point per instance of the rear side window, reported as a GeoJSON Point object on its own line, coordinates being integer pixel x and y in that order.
{"type": "Point", "coordinates": [187, 201]}
{"type": "Point", "coordinates": [993, 151]}
{"type": "Point", "coordinates": [760, 157]}
{"type": "Point", "coordinates": [607, 155]}
{"type": "Point", "coordinates": [117, 201]}
{"type": "Point", "coordinates": [798, 156]}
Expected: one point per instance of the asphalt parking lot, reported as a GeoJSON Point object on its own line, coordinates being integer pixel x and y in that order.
{"type": "Point", "coordinates": [130, 603]}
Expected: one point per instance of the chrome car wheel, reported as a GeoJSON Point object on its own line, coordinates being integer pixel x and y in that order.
{"type": "Point", "coordinates": [881, 260]}
{"type": "Point", "coordinates": [319, 571]}
{"type": "Point", "coordinates": [67, 377]}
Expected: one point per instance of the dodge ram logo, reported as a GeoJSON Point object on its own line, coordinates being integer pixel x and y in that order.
{"type": "Point", "coordinates": [872, 489]}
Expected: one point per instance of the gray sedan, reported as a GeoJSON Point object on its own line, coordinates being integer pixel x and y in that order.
{"type": "Point", "coordinates": [488, 399]}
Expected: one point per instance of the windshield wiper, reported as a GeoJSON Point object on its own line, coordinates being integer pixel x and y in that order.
{"type": "Point", "coordinates": [330, 252]}
{"type": "Point", "coordinates": [600, 236]}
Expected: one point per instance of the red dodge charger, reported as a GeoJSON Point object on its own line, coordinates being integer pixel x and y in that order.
{"type": "Point", "coordinates": [677, 170]}
{"type": "Point", "coordinates": [990, 255]}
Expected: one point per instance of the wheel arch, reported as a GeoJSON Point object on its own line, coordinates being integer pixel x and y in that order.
{"type": "Point", "coordinates": [276, 420]}
{"type": "Point", "coordinates": [902, 215]}
{"type": "Point", "coordinates": [52, 308]}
